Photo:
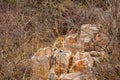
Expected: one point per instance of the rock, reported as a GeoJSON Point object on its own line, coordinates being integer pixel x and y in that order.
{"type": "Point", "coordinates": [92, 56]}
{"type": "Point", "coordinates": [95, 54]}
{"type": "Point", "coordinates": [48, 51]}
{"type": "Point", "coordinates": [82, 55]}
{"type": "Point", "coordinates": [42, 62]}
{"type": "Point", "coordinates": [52, 75]}
{"type": "Point", "coordinates": [59, 70]}
{"type": "Point", "coordinates": [80, 65]}
{"type": "Point", "coordinates": [43, 51]}
{"type": "Point", "coordinates": [88, 32]}
{"type": "Point", "coordinates": [82, 40]}
{"type": "Point", "coordinates": [101, 54]}
{"type": "Point", "coordinates": [69, 76]}
{"type": "Point", "coordinates": [40, 67]}
{"type": "Point", "coordinates": [61, 60]}
{"type": "Point", "coordinates": [77, 76]}
{"type": "Point", "coordinates": [38, 54]}
{"type": "Point", "coordinates": [71, 40]}
{"type": "Point", "coordinates": [73, 49]}
{"type": "Point", "coordinates": [98, 57]}
{"type": "Point", "coordinates": [76, 57]}
{"type": "Point", "coordinates": [101, 41]}
{"type": "Point", "coordinates": [88, 56]}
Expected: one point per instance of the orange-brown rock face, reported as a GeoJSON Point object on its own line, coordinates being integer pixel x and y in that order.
{"type": "Point", "coordinates": [41, 64]}
{"type": "Point", "coordinates": [42, 52]}
{"type": "Point", "coordinates": [71, 43]}
{"type": "Point", "coordinates": [62, 61]}
{"type": "Point", "coordinates": [81, 40]}
{"type": "Point", "coordinates": [83, 55]}
{"type": "Point", "coordinates": [63, 58]}
{"type": "Point", "coordinates": [80, 65]}
{"type": "Point", "coordinates": [71, 40]}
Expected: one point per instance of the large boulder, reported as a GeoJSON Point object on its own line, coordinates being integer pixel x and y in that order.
{"type": "Point", "coordinates": [40, 68]}
{"type": "Point", "coordinates": [87, 36]}
{"type": "Point", "coordinates": [80, 65]}
{"type": "Point", "coordinates": [71, 40]}
{"type": "Point", "coordinates": [62, 59]}
{"type": "Point", "coordinates": [41, 63]}
{"type": "Point", "coordinates": [87, 32]}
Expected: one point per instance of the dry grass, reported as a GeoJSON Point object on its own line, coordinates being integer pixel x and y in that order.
{"type": "Point", "coordinates": [27, 25]}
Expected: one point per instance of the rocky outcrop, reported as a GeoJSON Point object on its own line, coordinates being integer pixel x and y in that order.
{"type": "Point", "coordinates": [76, 61]}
